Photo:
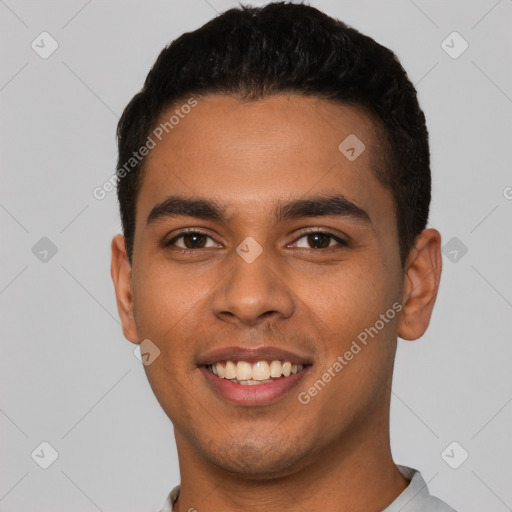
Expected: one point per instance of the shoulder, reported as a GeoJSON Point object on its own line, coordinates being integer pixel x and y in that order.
{"type": "Point", "coordinates": [416, 497]}
{"type": "Point", "coordinates": [170, 500]}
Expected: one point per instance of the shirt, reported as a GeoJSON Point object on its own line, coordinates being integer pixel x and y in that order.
{"type": "Point", "coordinates": [414, 498]}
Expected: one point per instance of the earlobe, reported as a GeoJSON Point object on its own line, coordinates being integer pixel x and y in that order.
{"type": "Point", "coordinates": [121, 273]}
{"type": "Point", "coordinates": [421, 284]}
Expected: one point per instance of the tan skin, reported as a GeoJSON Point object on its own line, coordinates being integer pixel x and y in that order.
{"type": "Point", "coordinates": [333, 453]}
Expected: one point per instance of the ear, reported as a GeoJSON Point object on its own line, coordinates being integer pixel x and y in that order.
{"type": "Point", "coordinates": [421, 284]}
{"type": "Point", "coordinates": [121, 272]}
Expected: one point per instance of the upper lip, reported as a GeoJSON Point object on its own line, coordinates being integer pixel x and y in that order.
{"type": "Point", "coordinates": [251, 355]}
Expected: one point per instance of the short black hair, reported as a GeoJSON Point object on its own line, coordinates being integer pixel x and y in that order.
{"type": "Point", "coordinates": [254, 52]}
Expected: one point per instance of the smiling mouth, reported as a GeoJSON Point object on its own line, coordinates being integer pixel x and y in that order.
{"type": "Point", "coordinates": [257, 373]}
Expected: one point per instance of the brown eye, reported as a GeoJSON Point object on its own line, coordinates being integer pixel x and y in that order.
{"type": "Point", "coordinates": [190, 241]}
{"type": "Point", "coordinates": [319, 240]}
{"type": "Point", "coordinates": [194, 241]}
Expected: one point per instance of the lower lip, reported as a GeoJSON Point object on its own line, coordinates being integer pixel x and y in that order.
{"type": "Point", "coordinates": [257, 394]}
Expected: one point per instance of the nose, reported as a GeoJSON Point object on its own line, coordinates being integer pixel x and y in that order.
{"type": "Point", "coordinates": [252, 293]}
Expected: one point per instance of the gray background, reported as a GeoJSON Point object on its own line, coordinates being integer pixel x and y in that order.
{"type": "Point", "coordinates": [68, 376]}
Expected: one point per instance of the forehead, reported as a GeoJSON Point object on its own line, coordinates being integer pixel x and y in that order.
{"type": "Point", "coordinates": [248, 153]}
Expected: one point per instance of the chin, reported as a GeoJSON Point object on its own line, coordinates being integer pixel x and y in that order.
{"type": "Point", "coordinates": [257, 460]}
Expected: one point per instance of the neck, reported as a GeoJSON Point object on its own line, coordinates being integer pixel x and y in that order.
{"type": "Point", "coordinates": [355, 473]}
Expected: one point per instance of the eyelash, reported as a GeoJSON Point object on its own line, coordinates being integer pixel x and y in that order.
{"type": "Point", "coordinates": [341, 242]}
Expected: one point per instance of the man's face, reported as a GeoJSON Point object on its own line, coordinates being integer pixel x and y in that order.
{"type": "Point", "coordinates": [285, 288]}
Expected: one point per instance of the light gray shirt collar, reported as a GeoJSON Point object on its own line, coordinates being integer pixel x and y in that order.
{"type": "Point", "coordinates": [414, 498]}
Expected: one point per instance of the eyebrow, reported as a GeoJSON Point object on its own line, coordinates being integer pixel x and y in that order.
{"type": "Point", "coordinates": [209, 209]}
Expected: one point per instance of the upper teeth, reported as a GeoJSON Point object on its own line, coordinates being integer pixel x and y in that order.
{"type": "Point", "coordinates": [261, 370]}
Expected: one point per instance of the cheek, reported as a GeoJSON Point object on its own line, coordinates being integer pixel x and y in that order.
{"type": "Point", "coordinates": [165, 297]}
{"type": "Point", "coordinates": [349, 299]}
{"type": "Point", "coordinates": [166, 310]}
{"type": "Point", "coordinates": [358, 347]}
